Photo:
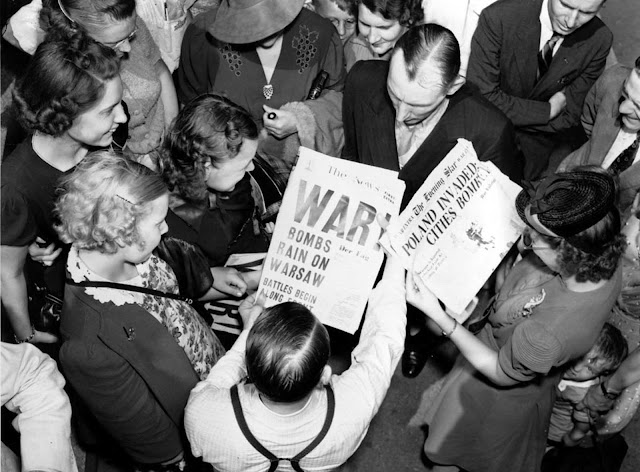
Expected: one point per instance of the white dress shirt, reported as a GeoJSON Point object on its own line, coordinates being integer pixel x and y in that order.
{"type": "Point", "coordinates": [214, 433]}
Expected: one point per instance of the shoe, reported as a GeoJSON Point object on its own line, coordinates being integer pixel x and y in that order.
{"type": "Point", "coordinates": [413, 361]}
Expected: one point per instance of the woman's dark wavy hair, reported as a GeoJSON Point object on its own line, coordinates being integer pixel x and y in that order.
{"type": "Point", "coordinates": [605, 234]}
{"type": "Point", "coordinates": [287, 349]}
{"type": "Point", "coordinates": [407, 12]}
{"type": "Point", "coordinates": [587, 267]}
{"type": "Point", "coordinates": [210, 128]}
{"type": "Point", "coordinates": [63, 80]}
{"type": "Point", "coordinates": [82, 15]}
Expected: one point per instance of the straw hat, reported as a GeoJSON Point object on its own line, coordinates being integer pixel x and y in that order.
{"type": "Point", "coordinates": [567, 203]}
{"type": "Point", "coordinates": [249, 21]}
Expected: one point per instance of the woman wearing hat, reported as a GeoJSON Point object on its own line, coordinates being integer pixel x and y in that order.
{"type": "Point", "coordinates": [493, 411]}
{"type": "Point", "coordinates": [264, 55]}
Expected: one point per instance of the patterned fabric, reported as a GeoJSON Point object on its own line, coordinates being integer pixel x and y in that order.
{"type": "Point", "coordinates": [625, 158]}
{"type": "Point", "coordinates": [310, 43]}
{"type": "Point", "coordinates": [190, 331]}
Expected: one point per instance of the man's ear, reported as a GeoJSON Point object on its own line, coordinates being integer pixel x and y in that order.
{"type": "Point", "coordinates": [458, 82]}
{"type": "Point", "coordinates": [325, 378]}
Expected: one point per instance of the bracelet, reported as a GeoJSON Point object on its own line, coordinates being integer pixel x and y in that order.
{"type": "Point", "coordinates": [28, 338]}
{"type": "Point", "coordinates": [607, 394]}
{"type": "Point", "coordinates": [455, 325]}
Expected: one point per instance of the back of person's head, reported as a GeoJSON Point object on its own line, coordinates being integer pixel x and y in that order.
{"type": "Point", "coordinates": [63, 80]}
{"type": "Point", "coordinates": [594, 253]}
{"type": "Point", "coordinates": [406, 12]}
{"type": "Point", "coordinates": [103, 199]}
{"type": "Point", "coordinates": [59, 18]}
{"type": "Point", "coordinates": [609, 350]}
{"type": "Point", "coordinates": [287, 350]}
{"type": "Point", "coordinates": [430, 43]}
{"type": "Point", "coordinates": [209, 129]}
{"type": "Point", "coordinates": [349, 6]}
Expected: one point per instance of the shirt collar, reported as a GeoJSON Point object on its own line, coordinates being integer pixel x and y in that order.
{"type": "Point", "coordinates": [545, 20]}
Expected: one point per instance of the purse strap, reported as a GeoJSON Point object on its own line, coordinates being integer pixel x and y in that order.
{"type": "Point", "coordinates": [129, 288]}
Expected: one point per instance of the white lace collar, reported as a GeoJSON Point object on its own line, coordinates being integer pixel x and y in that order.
{"type": "Point", "coordinates": [78, 271]}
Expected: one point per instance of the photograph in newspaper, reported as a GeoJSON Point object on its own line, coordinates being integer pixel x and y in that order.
{"type": "Point", "coordinates": [324, 252]}
{"type": "Point", "coordinates": [458, 226]}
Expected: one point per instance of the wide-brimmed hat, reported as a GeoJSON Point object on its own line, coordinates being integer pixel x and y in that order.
{"type": "Point", "coordinates": [567, 203]}
{"type": "Point", "coordinates": [248, 21]}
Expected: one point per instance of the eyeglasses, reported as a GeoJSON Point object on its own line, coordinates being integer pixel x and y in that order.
{"type": "Point", "coordinates": [117, 44]}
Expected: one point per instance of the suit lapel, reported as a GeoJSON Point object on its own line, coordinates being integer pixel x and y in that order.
{"type": "Point", "coordinates": [381, 123]}
{"type": "Point", "coordinates": [136, 338]}
{"type": "Point", "coordinates": [528, 36]}
{"type": "Point", "coordinates": [564, 62]}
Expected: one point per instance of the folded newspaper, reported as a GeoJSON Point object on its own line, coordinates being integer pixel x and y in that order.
{"type": "Point", "coordinates": [458, 227]}
{"type": "Point", "coordinates": [324, 251]}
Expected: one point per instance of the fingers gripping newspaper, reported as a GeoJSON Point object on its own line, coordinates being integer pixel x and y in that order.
{"type": "Point", "coordinates": [324, 252]}
{"type": "Point", "coordinates": [457, 228]}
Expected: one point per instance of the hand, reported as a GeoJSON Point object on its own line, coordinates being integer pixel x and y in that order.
{"type": "Point", "coordinates": [568, 441]}
{"type": "Point", "coordinates": [250, 308]}
{"type": "Point", "coordinates": [44, 338]}
{"type": "Point", "coordinates": [269, 227]}
{"type": "Point", "coordinates": [423, 299]}
{"type": "Point", "coordinates": [228, 280]}
{"type": "Point", "coordinates": [44, 255]}
{"type": "Point", "coordinates": [283, 125]}
{"type": "Point", "coordinates": [595, 402]}
{"type": "Point", "coordinates": [558, 102]}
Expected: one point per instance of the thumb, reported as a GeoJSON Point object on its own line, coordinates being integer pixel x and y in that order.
{"type": "Point", "coordinates": [261, 299]}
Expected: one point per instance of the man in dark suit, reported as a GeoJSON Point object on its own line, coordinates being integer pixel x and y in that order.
{"type": "Point", "coordinates": [406, 115]}
{"type": "Point", "coordinates": [536, 60]}
{"type": "Point", "coordinates": [611, 119]}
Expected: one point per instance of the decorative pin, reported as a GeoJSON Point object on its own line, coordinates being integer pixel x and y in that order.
{"type": "Point", "coordinates": [267, 91]}
{"type": "Point", "coordinates": [130, 332]}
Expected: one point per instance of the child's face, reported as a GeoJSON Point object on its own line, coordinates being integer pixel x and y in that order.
{"type": "Point", "coordinates": [224, 176]}
{"type": "Point", "coordinates": [587, 368]}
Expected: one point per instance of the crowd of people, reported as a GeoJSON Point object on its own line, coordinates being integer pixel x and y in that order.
{"type": "Point", "coordinates": [160, 135]}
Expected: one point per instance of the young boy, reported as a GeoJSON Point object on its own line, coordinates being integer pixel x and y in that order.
{"type": "Point", "coordinates": [272, 398]}
{"type": "Point", "coordinates": [568, 426]}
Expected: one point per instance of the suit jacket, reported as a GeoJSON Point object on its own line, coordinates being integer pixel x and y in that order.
{"type": "Point", "coordinates": [369, 119]}
{"type": "Point", "coordinates": [129, 371]}
{"type": "Point", "coordinates": [601, 122]}
{"type": "Point", "coordinates": [503, 65]}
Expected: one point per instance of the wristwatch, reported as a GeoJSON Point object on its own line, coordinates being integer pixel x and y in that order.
{"type": "Point", "coordinates": [607, 394]}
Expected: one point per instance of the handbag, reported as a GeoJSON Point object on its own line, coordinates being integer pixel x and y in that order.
{"type": "Point", "coordinates": [44, 309]}
{"type": "Point", "coordinates": [44, 295]}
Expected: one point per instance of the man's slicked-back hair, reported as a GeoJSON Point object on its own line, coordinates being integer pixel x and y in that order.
{"type": "Point", "coordinates": [287, 349]}
{"type": "Point", "coordinates": [430, 42]}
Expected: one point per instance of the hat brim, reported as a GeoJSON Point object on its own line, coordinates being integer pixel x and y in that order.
{"type": "Point", "coordinates": [522, 200]}
{"type": "Point", "coordinates": [252, 24]}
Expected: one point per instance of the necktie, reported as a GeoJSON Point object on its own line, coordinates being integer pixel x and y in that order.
{"type": "Point", "coordinates": [625, 158]}
{"type": "Point", "coordinates": [545, 56]}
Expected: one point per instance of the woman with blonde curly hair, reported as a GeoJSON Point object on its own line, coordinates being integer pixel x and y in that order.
{"type": "Point", "coordinates": [133, 347]}
{"type": "Point", "coordinates": [69, 99]}
{"type": "Point", "coordinates": [208, 155]}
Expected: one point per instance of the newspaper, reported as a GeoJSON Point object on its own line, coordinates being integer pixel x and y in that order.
{"type": "Point", "coordinates": [458, 226]}
{"type": "Point", "coordinates": [324, 252]}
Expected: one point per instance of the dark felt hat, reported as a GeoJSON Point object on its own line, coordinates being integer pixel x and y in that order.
{"type": "Point", "coordinates": [567, 203]}
{"type": "Point", "coordinates": [249, 21]}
